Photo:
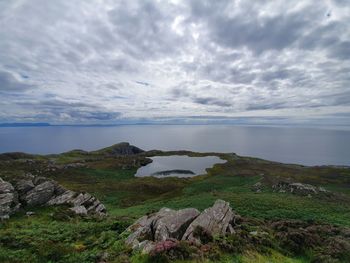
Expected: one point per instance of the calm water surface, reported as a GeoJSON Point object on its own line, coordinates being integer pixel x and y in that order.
{"type": "Point", "coordinates": [309, 146]}
{"type": "Point", "coordinates": [177, 165]}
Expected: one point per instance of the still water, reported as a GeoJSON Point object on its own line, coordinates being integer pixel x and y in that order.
{"type": "Point", "coordinates": [178, 166]}
{"type": "Point", "coordinates": [309, 146]}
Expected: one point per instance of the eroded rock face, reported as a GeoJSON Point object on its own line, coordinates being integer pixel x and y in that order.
{"type": "Point", "coordinates": [214, 220]}
{"type": "Point", "coordinates": [37, 191]}
{"type": "Point", "coordinates": [168, 224]}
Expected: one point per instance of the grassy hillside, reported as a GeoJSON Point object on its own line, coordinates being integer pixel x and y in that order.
{"type": "Point", "coordinates": [54, 235]}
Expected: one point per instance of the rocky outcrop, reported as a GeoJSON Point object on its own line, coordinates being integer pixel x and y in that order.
{"type": "Point", "coordinates": [165, 224]}
{"type": "Point", "coordinates": [170, 225]}
{"type": "Point", "coordinates": [40, 194]}
{"type": "Point", "coordinates": [214, 221]}
{"type": "Point", "coordinates": [37, 191]}
{"type": "Point", "coordinates": [299, 189]}
{"type": "Point", "coordinates": [8, 200]}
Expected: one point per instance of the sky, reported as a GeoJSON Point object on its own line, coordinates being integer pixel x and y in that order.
{"type": "Point", "coordinates": [101, 61]}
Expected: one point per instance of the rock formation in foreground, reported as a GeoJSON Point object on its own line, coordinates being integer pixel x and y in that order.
{"type": "Point", "coordinates": [184, 224]}
{"type": "Point", "coordinates": [187, 234]}
{"type": "Point", "coordinates": [38, 191]}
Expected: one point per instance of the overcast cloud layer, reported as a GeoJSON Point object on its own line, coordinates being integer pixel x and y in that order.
{"type": "Point", "coordinates": [106, 61]}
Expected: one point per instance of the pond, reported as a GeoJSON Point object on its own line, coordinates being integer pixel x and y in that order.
{"type": "Point", "coordinates": [178, 166]}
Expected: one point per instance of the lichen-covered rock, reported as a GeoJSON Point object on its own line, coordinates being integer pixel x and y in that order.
{"type": "Point", "coordinates": [168, 224]}
{"type": "Point", "coordinates": [214, 220]}
{"type": "Point", "coordinates": [8, 199]}
{"type": "Point", "coordinates": [173, 224]}
{"type": "Point", "coordinates": [165, 224]}
{"type": "Point", "coordinates": [141, 230]}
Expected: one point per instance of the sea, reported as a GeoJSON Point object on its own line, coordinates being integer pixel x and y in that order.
{"type": "Point", "coordinates": [287, 144]}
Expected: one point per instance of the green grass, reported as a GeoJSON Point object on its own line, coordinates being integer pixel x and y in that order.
{"type": "Point", "coordinates": [53, 236]}
{"type": "Point", "coordinates": [123, 194]}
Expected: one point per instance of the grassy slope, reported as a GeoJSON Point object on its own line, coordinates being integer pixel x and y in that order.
{"type": "Point", "coordinates": [127, 198]}
{"type": "Point", "coordinates": [126, 195]}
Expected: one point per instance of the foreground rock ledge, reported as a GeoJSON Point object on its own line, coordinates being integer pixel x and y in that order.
{"type": "Point", "coordinates": [184, 224]}
{"type": "Point", "coordinates": [38, 191]}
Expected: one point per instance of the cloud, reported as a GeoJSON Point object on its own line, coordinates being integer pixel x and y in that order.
{"type": "Point", "coordinates": [103, 61]}
{"type": "Point", "coordinates": [10, 83]}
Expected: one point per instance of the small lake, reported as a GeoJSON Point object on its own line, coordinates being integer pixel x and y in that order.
{"type": "Point", "coordinates": [178, 166]}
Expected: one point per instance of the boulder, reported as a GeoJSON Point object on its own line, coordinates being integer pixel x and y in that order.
{"type": "Point", "coordinates": [214, 221]}
{"type": "Point", "coordinates": [161, 226]}
{"type": "Point", "coordinates": [23, 186]}
{"type": "Point", "coordinates": [8, 199]}
{"type": "Point", "coordinates": [173, 224]}
{"type": "Point", "coordinates": [40, 194]}
{"type": "Point", "coordinates": [141, 230]}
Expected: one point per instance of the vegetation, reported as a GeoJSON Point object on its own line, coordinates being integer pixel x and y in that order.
{"type": "Point", "coordinates": [54, 235]}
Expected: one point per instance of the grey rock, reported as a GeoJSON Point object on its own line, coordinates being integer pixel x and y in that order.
{"type": "Point", "coordinates": [215, 220]}
{"type": "Point", "coordinates": [8, 199]}
{"type": "Point", "coordinates": [302, 189]}
{"type": "Point", "coordinates": [165, 224]}
{"type": "Point", "coordinates": [146, 246]}
{"type": "Point", "coordinates": [89, 202]}
{"type": "Point", "coordinates": [40, 194]}
{"type": "Point", "coordinates": [5, 187]}
{"type": "Point", "coordinates": [39, 180]}
{"type": "Point", "coordinates": [65, 198]}
{"type": "Point", "coordinates": [43, 191]}
{"type": "Point", "coordinates": [299, 189]}
{"type": "Point", "coordinates": [79, 210]}
{"type": "Point", "coordinates": [173, 224]}
{"type": "Point", "coordinates": [141, 230]}
{"type": "Point", "coordinates": [59, 190]}
{"type": "Point", "coordinates": [23, 186]}
{"type": "Point", "coordinates": [82, 199]}
{"type": "Point", "coordinates": [160, 226]}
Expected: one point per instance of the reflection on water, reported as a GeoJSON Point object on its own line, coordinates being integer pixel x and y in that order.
{"type": "Point", "coordinates": [178, 166]}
